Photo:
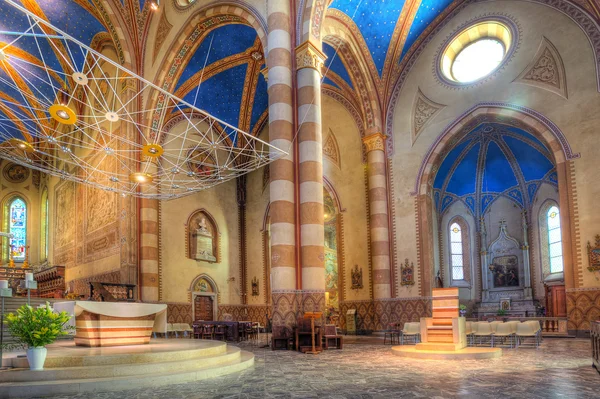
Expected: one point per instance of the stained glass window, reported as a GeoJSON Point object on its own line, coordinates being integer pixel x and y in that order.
{"type": "Point", "coordinates": [554, 240]}
{"type": "Point", "coordinates": [456, 252]}
{"type": "Point", "coordinates": [18, 228]}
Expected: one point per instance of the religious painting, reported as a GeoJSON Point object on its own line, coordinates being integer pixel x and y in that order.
{"type": "Point", "coordinates": [202, 285]}
{"type": "Point", "coordinates": [331, 277]}
{"type": "Point", "coordinates": [594, 255]}
{"type": "Point", "coordinates": [202, 237]}
{"type": "Point", "coordinates": [357, 280]}
{"type": "Point", "coordinates": [408, 273]}
{"type": "Point", "coordinates": [505, 304]}
{"type": "Point", "coordinates": [15, 173]}
{"type": "Point", "coordinates": [505, 270]}
{"type": "Point", "coordinates": [255, 287]}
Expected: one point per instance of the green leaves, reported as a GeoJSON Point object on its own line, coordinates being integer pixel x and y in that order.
{"type": "Point", "coordinates": [37, 327]}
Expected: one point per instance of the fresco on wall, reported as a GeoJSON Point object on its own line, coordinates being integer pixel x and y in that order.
{"type": "Point", "coordinates": [64, 232]}
{"type": "Point", "coordinates": [331, 277]}
{"type": "Point", "coordinates": [505, 270]}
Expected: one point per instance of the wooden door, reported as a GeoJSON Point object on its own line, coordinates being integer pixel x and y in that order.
{"type": "Point", "coordinates": [556, 301]}
{"type": "Point", "coordinates": [203, 308]}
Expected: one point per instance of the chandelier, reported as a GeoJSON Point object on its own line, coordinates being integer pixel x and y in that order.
{"type": "Point", "coordinates": [71, 112]}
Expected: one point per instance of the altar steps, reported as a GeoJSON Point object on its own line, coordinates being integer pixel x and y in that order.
{"type": "Point", "coordinates": [116, 372]}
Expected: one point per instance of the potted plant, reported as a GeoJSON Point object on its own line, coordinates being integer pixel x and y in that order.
{"type": "Point", "coordinates": [37, 328]}
{"type": "Point", "coordinates": [502, 313]}
{"type": "Point", "coordinates": [462, 309]}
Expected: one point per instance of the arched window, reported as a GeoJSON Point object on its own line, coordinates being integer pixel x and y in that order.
{"type": "Point", "coordinates": [554, 240]}
{"type": "Point", "coordinates": [17, 226]}
{"type": "Point", "coordinates": [44, 217]}
{"type": "Point", "coordinates": [457, 266]}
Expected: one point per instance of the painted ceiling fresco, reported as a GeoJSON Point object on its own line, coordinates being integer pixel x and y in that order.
{"type": "Point", "coordinates": [493, 161]}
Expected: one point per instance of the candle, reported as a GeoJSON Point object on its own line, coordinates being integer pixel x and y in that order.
{"type": "Point", "coordinates": [29, 276]}
{"type": "Point", "coordinates": [3, 284]}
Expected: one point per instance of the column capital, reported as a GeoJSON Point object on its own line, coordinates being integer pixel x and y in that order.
{"type": "Point", "coordinates": [375, 141]}
{"type": "Point", "coordinates": [309, 56]}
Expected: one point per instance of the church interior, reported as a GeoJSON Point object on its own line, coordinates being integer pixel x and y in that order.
{"type": "Point", "coordinates": [214, 190]}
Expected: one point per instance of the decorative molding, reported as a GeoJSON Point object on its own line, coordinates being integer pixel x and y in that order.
{"type": "Point", "coordinates": [374, 142]}
{"type": "Point", "coordinates": [546, 70]}
{"type": "Point", "coordinates": [331, 149]}
{"type": "Point", "coordinates": [309, 56]}
{"type": "Point", "coordinates": [164, 27]}
{"type": "Point", "coordinates": [265, 73]}
{"type": "Point", "coordinates": [424, 110]}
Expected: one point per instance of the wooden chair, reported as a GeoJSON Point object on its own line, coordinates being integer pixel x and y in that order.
{"type": "Point", "coordinates": [208, 331]}
{"type": "Point", "coordinates": [332, 339]}
{"type": "Point", "coordinates": [280, 338]}
{"type": "Point", "coordinates": [221, 332]}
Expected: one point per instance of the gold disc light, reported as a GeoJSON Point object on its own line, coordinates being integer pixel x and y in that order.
{"type": "Point", "coordinates": [152, 150]}
{"type": "Point", "coordinates": [21, 145]}
{"type": "Point", "coordinates": [63, 114]}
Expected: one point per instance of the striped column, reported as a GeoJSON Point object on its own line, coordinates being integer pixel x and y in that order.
{"type": "Point", "coordinates": [309, 62]}
{"type": "Point", "coordinates": [378, 218]}
{"type": "Point", "coordinates": [148, 279]}
{"type": "Point", "coordinates": [281, 134]}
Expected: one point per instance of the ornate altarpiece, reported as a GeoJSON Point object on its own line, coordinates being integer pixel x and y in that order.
{"type": "Point", "coordinates": [506, 272]}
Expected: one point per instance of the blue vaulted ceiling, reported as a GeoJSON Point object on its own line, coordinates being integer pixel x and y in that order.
{"type": "Point", "coordinates": [334, 64]}
{"type": "Point", "coordinates": [230, 69]}
{"type": "Point", "coordinates": [377, 20]}
{"type": "Point", "coordinates": [493, 161]}
{"type": "Point", "coordinates": [77, 18]}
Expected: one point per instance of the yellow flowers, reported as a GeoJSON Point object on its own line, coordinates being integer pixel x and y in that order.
{"type": "Point", "coordinates": [37, 327]}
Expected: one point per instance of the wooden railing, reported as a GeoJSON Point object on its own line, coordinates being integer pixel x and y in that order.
{"type": "Point", "coordinates": [595, 335]}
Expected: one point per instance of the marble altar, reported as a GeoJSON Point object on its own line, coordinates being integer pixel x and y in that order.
{"type": "Point", "coordinates": [114, 323]}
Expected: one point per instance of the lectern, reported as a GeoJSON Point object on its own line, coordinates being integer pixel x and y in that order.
{"type": "Point", "coordinates": [312, 316]}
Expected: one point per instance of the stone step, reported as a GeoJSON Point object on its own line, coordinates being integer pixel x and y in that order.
{"type": "Point", "coordinates": [118, 370]}
{"type": "Point", "coordinates": [444, 327]}
{"type": "Point", "coordinates": [435, 338]}
{"type": "Point", "coordinates": [39, 388]}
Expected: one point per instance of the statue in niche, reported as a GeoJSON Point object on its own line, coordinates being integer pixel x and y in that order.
{"type": "Point", "coordinates": [357, 282]}
{"type": "Point", "coordinates": [202, 238]}
{"type": "Point", "coordinates": [505, 270]}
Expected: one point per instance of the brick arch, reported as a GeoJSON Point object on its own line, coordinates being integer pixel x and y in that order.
{"type": "Point", "coordinates": [530, 121]}
{"type": "Point", "coordinates": [364, 86]}
{"type": "Point", "coordinates": [311, 14]}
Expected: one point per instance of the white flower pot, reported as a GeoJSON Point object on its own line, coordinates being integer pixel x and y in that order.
{"type": "Point", "coordinates": [36, 357]}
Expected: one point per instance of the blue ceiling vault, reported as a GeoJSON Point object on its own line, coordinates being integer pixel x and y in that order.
{"type": "Point", "coordinates": [493, 161]}
{"type": "Point", "coordinates": [71, 17]}
{"type": "Point", "coordinates": [334, 64]}
{"type": "Point", "coordinates": [221, 94]}
{"type": "Point", "coordinates": [377, 19]}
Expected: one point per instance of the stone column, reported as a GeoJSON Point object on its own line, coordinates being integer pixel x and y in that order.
{"type": "Point", "coordinates": [309, 63]}
{"type": "Point", "coordinates": [282, 186]}
{"type": "Point", "coordinates": [148, 249]}
{"type": "Point", "coordinates": [378, 218]}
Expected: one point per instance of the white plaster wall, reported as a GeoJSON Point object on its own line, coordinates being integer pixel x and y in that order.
{"type": "Point", "coordinates": [577, 117]}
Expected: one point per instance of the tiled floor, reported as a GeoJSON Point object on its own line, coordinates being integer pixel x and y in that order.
{"type": "Point", "coordinates": [561, 368]}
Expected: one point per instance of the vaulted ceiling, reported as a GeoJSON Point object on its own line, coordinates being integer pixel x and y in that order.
{"type": "Point", "coordinates": [490, 162]}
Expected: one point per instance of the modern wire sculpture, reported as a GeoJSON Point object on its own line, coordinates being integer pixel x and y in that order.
{"type": "Point", "coordinates": [67, 110]}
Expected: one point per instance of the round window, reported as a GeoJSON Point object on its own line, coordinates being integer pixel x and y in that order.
{"type": "Point", "coordinates": [475, 52]}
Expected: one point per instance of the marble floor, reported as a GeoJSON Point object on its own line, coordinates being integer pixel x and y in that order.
{"type": "Point", "coordinates": [366, 368]}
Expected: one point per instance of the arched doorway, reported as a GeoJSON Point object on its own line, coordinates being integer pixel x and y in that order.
{"type": "Point", "coordinates": [204, 298]}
